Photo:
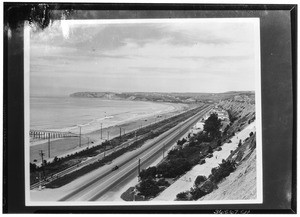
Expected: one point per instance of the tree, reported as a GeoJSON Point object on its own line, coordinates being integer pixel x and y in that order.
{"type": "Point", "coordinates": [148, 188]}
{"type": "Point", "coordinates": [199, 180]}
{"type": "Point", "coordinates": [33, 167]}
{"type": "Point", "coordinates": [181, 142]}
{"type": "Point", "coordinates": [148, 173]}
{"type": "Point", "coordinates": [174, 167]}
{"type": "Point", "coordinates": [55, 159]}
{"type": "Point", "coordinates": [212, 126]}
{"type": "Point", "coordinates": [210, 149]}
{"type": "Point", "coordinates": [240, 143]}
{"type": "Point", "coordinates": [197, 193]}
{"type": "Point", "coordinates": [182, 196]}
{"type": "Point", "coordinates": [219, 173]}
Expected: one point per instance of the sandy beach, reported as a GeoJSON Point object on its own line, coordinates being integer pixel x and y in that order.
{"type": "Point", "coordinates": [91, 134]}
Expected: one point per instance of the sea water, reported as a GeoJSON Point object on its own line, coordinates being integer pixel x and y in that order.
{"type": "Point", "coordinates": [66, 114]}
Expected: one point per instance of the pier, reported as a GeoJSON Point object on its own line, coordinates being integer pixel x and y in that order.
{"type": "Point", "coordinates": [45, 134]}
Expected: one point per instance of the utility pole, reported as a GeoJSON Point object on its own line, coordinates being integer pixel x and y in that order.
{"type": "Point", "coordinates": [42, 156]}
{"type": "Point", "coordinates": [48, 145]}
{"type": "Point", "coordinates": [88, 142]}
{"type": "Point", "coordinates": [135, 135]}
{"type": "Point", "coordinates": [107, 135]}
{"type": "Point", "coordinates": [101, 131]}
{"type": "Point", "coordinates": [120, 133]}
{"type": "Point", "coordinates": [40, 181]}
{"type": "Point", "coordinates": [164, 152]}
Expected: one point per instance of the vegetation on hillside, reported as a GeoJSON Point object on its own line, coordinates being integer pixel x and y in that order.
{"type": "Point", "coordinates": [239, 118]}
{"type": "Point", "coordinates": [181, 159]}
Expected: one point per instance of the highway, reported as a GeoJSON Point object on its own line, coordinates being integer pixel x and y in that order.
{"type": "Point", "coordinates": [94, 189]}
{"type": "Point", "coordinates": [96, 158]}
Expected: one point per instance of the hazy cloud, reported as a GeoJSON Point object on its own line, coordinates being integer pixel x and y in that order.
{"type": "Point", "coordinates": [189, 56]}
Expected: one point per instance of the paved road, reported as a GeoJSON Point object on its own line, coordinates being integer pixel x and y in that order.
{"type": "Point", "coordinates": [94, 159]}
{"type": "Point", "coordinates": [95, 188]}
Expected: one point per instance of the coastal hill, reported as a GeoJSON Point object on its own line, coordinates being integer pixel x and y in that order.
{"type": "Point", "coordinates": [168, 97]}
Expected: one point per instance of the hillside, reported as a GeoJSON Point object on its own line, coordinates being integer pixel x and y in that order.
{"type": "Point", "coordinates": [241, 184]}
{"type": "Point", "coordinates": [169, 97]}
{"type": "Point", "coordinates": [204, 162]}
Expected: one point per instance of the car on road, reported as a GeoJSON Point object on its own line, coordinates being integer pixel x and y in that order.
{"type": "Point", "coordinates": [115, 168]}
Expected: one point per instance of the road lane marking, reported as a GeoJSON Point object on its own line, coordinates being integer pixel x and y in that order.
{"type": "Point", "coordinates": [162, 137]}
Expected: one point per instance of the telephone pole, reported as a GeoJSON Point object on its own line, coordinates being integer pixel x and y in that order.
{"type": "Point", "coordinates": [42, 156]}
{"type": "Point", "coordinates": [48, 145]}
{"type": "Point", "coordinates": [40, 181]}
{"type": "Point", "coordinates": [107, 135]}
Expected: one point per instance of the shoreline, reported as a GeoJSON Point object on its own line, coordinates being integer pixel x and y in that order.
{"type": "Point", "coordinates": [91, 125]}
{"type": "Point", "coordinates": [64, 146]}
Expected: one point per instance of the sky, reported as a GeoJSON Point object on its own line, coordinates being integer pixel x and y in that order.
{"type": "Point", "coordinates": [202, 55]}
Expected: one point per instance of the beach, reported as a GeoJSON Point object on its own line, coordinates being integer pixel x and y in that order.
{"type": "Point", "coordinates": [67, 114]}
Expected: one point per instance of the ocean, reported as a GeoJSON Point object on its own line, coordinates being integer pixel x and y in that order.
{"type": "Point", "coordinates": [66, 114]}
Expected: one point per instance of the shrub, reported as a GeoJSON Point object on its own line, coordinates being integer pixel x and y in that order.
{"type": "Point", "coordinates": [208, 187]}
{"type": "Point", "coordinates": [33, 167]}
{"type": "Point", "coordinates": [174, 168]}
{"type": "Point", "coordinates": [202, 161]}
{"type": "Point", "coordinates": [219, 149]}
{"type": "Point", "coordinates": [219, 173]}
{"type": "Point", "coordinates": [197, 193]}
{"type": "Point", "coordinates": [148, 188]}
{"type": "Point", "coordinates": [199, 180]}
{"type": "Point", "coordinates": [240, 143]}
{"type": "Point", "coordinates": [251, 134]}
{"type": "Point", "coordinates": [148, 173]}
{"type": "Point", "coordinates": [182, 196]}
{"type": "Point", "coordinates": [162, 182]}
{"type": "Point", "coordinates": [181, 142]}
{"type": "Point", "coordinates": [55, 159]}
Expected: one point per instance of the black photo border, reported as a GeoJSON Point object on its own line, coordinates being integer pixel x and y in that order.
{"type": "Point", "coordinates": [278, 28]}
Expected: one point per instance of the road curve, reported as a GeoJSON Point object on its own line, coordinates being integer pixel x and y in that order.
{"type": "Point", "coordinates": [95, 188]}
